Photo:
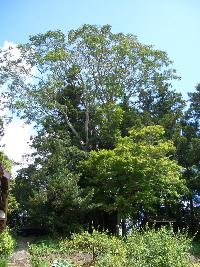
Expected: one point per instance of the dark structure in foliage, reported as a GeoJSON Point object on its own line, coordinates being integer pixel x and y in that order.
{"type": "Point", "coordinates": [4, 179]}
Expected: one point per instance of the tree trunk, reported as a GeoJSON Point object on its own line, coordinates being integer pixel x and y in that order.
{"type": "Point", "coordinates": [118, 224]}
{"type": "Point", "coordinates": [123, 227]}
{"type": "Point", "coordinates": [192, 215]}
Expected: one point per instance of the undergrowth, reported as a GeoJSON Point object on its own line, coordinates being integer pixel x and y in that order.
{"type": "Point", "coordinates": [7, 245]}
{"type": "Point", "coordinates": [149, 248]}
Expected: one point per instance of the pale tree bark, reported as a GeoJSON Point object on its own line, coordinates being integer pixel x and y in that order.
{"type": "Point", "coordinates": [87, 118]}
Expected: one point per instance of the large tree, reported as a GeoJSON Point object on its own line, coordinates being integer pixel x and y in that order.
{"type": "Point", "coordinates": [81, 77]}
{"type": "Point", "coordinates": [188, 155]}
{"type": "Point", "coordinates": [83, 90]}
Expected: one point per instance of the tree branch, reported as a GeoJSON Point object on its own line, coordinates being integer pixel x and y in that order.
{"type": "Point", "coordinates": [72, 127]}
{"type": "Point", "coordinates": [87, 122]}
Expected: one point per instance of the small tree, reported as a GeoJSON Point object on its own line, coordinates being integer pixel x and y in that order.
{"type": "Point", "coordinates": [138, 174]}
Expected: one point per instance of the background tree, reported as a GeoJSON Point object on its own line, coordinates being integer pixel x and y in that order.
{"type": "Point", "coordinates": [48, 190]}
{"type": "Point", "coordinates": [187, 154]}
{"type": "Point", "coordinates": [194, 99]}
{"type": "Point", "coordinates": [161, 106]}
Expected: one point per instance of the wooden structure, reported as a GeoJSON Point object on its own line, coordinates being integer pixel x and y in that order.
{"type": "Point", "coordinates": [161, 221]}
{"type": "Point", "coordinates": [4, 186]}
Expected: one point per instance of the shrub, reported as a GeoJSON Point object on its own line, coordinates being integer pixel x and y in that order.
{"type": "Point", "coordinates": [62, 263]}
{"type": "Point", "coordinates": [99, 244]}
{"type": "Point", "coordinates": [109, 260]}
{"type": "Point", "coordinates": [147, 248]}
{"type": "Point", "coordinates": [158, 248]}
{"type": "Point", "coordinates": [3, 262]}
{"type": "Point", "coordinates": [7, 243]}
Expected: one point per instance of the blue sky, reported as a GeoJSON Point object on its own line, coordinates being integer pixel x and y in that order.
{"type": "Point", "coordinates": [169, 25]}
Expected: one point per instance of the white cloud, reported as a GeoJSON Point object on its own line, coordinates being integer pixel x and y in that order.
{"type": "Point", "coordinates": [16, 141]}
{"type": "Point", "coordinates": [15, 51]}
{"type": "Point", "coordinates": [15, 54]}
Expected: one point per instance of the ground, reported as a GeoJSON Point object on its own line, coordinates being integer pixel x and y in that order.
{"type": "Point", "coordinates": [20, 257]}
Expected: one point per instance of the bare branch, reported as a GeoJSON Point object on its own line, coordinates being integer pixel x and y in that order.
{"type": "Point", "coordinates": [72, 127]}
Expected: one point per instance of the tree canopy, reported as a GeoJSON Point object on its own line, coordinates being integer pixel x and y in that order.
{"type": "Point", "coordinates": [112, 135]}
{"type": "Point", "coordinates": [85, 75]}
{"type": "Point", "coordinates": [138, 174]}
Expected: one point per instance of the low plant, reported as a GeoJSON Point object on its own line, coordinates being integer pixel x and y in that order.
{"type": "Point", "coordinates": [39, 263]}
{"type": "Point", "coordinates": [45, 251]}
{"type": "Point", "coordinates": [146, 248]}
{"type": "Point", "coordinates": [98, 243]}
{"type": "Point", "coordinates": [110, 260]}
{"type": "Point", "coordinates": [158, 248]}
{"type": "Point", "coordinates": [7, 243]}
{"type": "Point", "coordinates": [44, 247]}
{"type": "Point", "coordinates": [62, 263]}
{"type": "Point", "coordinates": [3, 262]}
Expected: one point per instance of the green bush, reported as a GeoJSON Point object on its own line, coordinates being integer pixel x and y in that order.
{"type": "Point", "coordinates": [3, 262]}
{"type": "Point", "coordinates": [44, 247]}
{"type": "Point", "coordinates": [161, 248]}
{"type": "Point", "coordinates": [110, 260]}
{"type": "Point", "coordinates": [99, 244]}
{"type": "Point", "coordinates": [147, 248]}
{"type": "Point", "coordinates": [7, 243]}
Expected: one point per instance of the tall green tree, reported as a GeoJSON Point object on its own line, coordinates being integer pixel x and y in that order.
{"type": "Point", "coordinates": [161, 105]}
{"type": "Point", "coordinates": [187, 154]}
{"type": "Point", "coordinates": [194, 99]}
{"type": "Point", "coordinates": [82, 90]}
{"type": "Point", "coordinates": [81, 76]}
{"type": "Point", "coordinates": [137, 175]}
{"type": "Point", "coordinates": [48, 190]}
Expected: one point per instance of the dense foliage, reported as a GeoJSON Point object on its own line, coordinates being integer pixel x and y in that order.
{"type": "Point", "coordinates": [114, 141]}
{"type": "Point", "coordinates": [137, 175]}
{"type": "Point", "coordinates": [146, 248]}
{"type": "Point", "coordinates": [12, 202]}
{"type": "Point", "coordinates": [7, 244]}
